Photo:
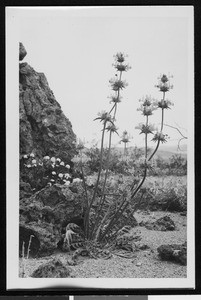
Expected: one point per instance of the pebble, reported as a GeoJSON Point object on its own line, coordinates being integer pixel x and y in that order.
{"type": "Point", "coordinates": [138, 264]}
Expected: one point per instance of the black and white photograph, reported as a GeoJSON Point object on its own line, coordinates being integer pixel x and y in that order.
{"type": "Point", "coordinates": [100, 147]}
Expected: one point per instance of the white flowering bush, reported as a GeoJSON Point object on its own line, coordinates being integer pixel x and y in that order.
{"type": "Point", "coordinates": [46, 171]}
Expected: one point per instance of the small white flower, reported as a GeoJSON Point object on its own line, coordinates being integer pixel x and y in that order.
{"type": "Point", "coordinates": [62, 163]}
{"type": "Point", "coordinates": [25, 156]}
{"type": "Point", "coordinates": [60, 175]}
{"type": "Point", "coordinates": [28, 166]}
{"type": "Point", "coordinates": [66, 175]}
{"type": "Point", "coordinates": [58, 159]}
{"type": "Point", "coordinates": [33, 161]}
{"type": "Point", "coordinates": [76, 180]}
{"type": "Point", "coordinates": [52, 180]}
{"type": "Point", "coordinates": [49, 183]}
{"type": "Point", "coordinates": [67, 183]}
{"type": "Point", "coordinates": [67, 166]}
{"type": "Point", "coordinates": [53, 159]}
{"type": "Point", "coordinates": [40, 164]}
{"type": "Point", "coordinates": [53, 173]}
{"type": "Point", "coordinates": [32, 155]}
{"type": "Point", "coordinates": [46, 157]}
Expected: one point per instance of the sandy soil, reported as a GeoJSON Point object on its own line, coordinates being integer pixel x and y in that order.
{"type": "Point", "coordinates": [144, 263]}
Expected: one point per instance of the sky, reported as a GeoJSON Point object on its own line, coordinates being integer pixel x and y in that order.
{"type": "Point", "coordinates": [74, 48]}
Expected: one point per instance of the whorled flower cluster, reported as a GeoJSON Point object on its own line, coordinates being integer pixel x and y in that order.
{"type": "Point", "coordinates": [148, 105]}
{"type": "Point", "coordinates": [164, 83]}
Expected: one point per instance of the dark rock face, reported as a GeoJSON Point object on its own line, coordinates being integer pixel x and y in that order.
{"type": "Point", "coordinates": [44, 129]}
{"type": "Point", "coordinates": [174, 252]}
{"type": "Point", "coordinates": [163, 224]}
{"type": "Point", "coordinates": [22, 52]}
{"type": "Point", "coordinates": [52, 269]}
{"type": "Point", "coordinates": [45, 215]}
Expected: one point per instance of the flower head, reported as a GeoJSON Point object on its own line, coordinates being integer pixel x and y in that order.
{"type": "Point", "coordinates": [111, 127]}
{"type": "Point", "coordinates": [164, 83]}
{"type": "Point", "coordinates": [77, 180]}
{"type": "Point", "coordinates": [122, 67]}
{"type": "Point", "coordinates": [53, 173]}
{"type": "Point", "coordinates": [159, 136]}
{"type": "Point", "coordinates": [32, 155]}
{"type": "Point", "coordinates": [53, 159]}
{"type": "Point", "coordinates": [62, 163]}
{"type": "Point", "coordinates": [104, 116]}
{"type": "Point", "coordinates": [147, 106]}
{"type": "Point", "coordinates": [146, 129]}
{"type": "Point", "coordinates": [33, 161]}
{"type": "Point", "coordinates": [115, 99]}
{"type": "Point", "coordinates": [120, 57]}
{"type": "Point", "coordinates": [25, 156]}
{"type": "Point", "coordinates": [165, 104]}
{"type": "Point", "coordinates": [67, 166]}
{"type": "Point", "coordinates": [125, 137]}
{"type": "Point", "coordinates": [117, 84]}
{"type": "Point", "coordinates": [60, 175]}
{"type": "Point", "coordinates": [46, 157]}
{"type": "Point", "coordinates": [58, 159]}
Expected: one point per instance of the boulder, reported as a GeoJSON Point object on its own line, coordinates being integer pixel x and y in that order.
{"type": "Point", "coordinates": [52, 269]}
{"type": "Point", "coordinates": [45, 216]}
{"type": "Point", "coordinates": [176, 253]}
{"type": "Point", "coordinates": [163, 224]}
{"type": "Point", "coordinates": [44, 129]}
{"type": "Point", "coordinates": [22, 52]}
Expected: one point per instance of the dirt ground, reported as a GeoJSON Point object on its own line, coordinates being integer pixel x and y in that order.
{"type": "Point", "coordinates": [143, 264]}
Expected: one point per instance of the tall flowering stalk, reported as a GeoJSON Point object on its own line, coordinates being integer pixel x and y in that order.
{"type": "Point", "coordinates": [125, 139]}
{"type": "Point", "coordinates": [108, 119]}
{"type": "Point", "coordinates": [147, 107]}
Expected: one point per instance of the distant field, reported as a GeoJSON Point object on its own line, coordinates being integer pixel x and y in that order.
{"type": "Point", "coordinates": [164, 180]}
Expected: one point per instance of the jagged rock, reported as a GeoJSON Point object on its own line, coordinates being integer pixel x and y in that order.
{"type": "Point", "coordinates": [174, 252]}
{"type": "Point", "coordinates": [163, 224]}
{"type": "Point", "coordinates": [52, 269]}
{"type": "Point", "coordinates": [22, 52]}
{"type": "Point", "coordinates": [25, 189]}
{"type": "Point", "coordinates": [44, 129]}
{"type": "Point", "coordinates": [46, 214]}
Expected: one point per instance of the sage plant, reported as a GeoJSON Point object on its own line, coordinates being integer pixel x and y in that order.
{"type": "Point", "coordinates": [148, 105]}
{"type": "Point", "coordinates": [108, 124]}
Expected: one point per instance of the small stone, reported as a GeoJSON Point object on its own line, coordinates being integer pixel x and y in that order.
{"type": "Point", "coordinates": [138, 264]}
{"type": "Point", "coordinates": [22, 52]}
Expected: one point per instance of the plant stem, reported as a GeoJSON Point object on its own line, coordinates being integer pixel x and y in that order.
{"type": "Point", "coordinates": [112, 220]}
{"type": "Point", "coordinates": [97, 182]}
{"type": "Point", "coordinates": [162, 121]}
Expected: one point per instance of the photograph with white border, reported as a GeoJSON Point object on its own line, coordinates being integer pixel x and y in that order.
{"type": "Point", "coordinates": [100, 147]}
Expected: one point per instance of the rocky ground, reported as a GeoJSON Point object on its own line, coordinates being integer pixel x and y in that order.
{"type": "Point", "coordinates": [142, 264]}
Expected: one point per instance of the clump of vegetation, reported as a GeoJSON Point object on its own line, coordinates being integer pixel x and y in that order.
{"type": "Point", "coordinates": [46, 171]}
{"type": "Point", "coordinates": [103, 211]}
{"type": "Point", "coordinates": [167, 194]}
